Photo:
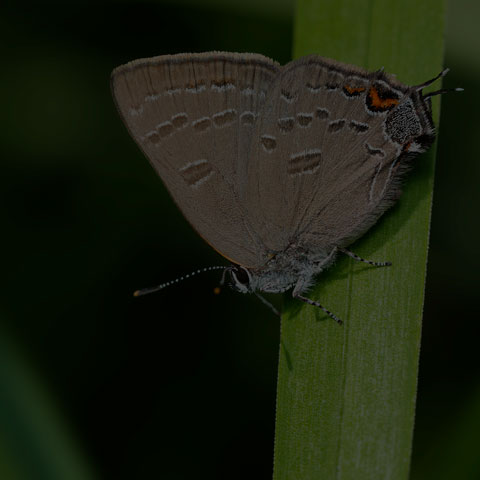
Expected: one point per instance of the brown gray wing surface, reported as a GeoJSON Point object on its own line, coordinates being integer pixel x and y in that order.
{"type": "Point", "coordinates": [193, 115]}
{"type": "Point", "coordinates": [324, 168]}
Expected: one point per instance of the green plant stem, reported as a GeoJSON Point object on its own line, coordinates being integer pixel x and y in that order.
{"type": "Point", "coordinates": [346, 394]}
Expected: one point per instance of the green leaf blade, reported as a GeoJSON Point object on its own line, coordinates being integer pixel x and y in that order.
{"type": "Point", "coordinates": [346, 395]}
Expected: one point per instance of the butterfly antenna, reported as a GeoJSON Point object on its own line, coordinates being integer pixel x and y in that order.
{"type": "Point", "coordinates": [145, 291]}
{"type": "Point", "coordinates": [441, 91]}
{"type": "Point", "coordinates": [429, 82]}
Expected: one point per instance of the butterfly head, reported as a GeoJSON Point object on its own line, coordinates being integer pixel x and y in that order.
{"type": "Point", "coordinates": [241, 279]}
{"type": "Point", "coordinates": [272, 278]}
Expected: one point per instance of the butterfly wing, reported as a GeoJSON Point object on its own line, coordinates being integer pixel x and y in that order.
{"type": "Point", "coordinates": [193, 116]}
{"type": "Point", "coordinates": [326, 170]}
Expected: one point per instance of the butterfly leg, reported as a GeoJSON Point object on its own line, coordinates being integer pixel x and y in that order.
{"type": "Point", "coordinates": [325, 262]}
{"type": "Point", "coordinates": [296, 294]}
{"type": "Point", "coordinates": [267, 303]}
{"type": "Point", "coordinates": [360, 259]}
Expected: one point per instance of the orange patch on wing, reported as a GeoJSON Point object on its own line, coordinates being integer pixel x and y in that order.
{"type": "Point", "coordinates": [378, 102]}
{"type": "Point", "coordinates": [353, 90]}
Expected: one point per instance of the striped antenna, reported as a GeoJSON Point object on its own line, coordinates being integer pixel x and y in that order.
{"type": "Point", "coordinates": [429, 82]}
{"type": "Point", "coordinates": [145, 291]}
{"type": "Point", "coordinates": [442, 91]}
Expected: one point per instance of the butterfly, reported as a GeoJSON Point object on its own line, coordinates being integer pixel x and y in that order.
{"type": "Point", "coordinates": [278, 168]}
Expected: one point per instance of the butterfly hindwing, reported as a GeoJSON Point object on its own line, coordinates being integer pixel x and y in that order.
{"type": "Point", "coordinates": [325, 168]}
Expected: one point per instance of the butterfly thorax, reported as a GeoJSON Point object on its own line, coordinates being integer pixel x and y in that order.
{"type": "Point", "coordinates": [283, 271]}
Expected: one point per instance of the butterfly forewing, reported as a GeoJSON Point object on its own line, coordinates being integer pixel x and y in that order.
{"type": "Point", "coordinates": [193, 116]}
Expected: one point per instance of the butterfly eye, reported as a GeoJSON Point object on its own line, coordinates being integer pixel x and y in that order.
{"type": "Point", "coordinates": [241, 275]}
{"type": "Point", "coordinates": [241, 279]}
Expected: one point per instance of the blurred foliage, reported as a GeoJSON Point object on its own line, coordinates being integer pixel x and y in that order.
{"type": "Point", "coordinates": [179, 384]}
{"type": "Point", "coordinates": [34, 442]}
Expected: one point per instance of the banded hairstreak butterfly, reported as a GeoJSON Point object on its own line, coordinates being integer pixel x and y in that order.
{"type": "Point", "coordinates": [278, 168]}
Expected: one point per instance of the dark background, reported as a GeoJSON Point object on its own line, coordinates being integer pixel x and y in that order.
{"type": "Point", "coordinates": [180, 384]}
